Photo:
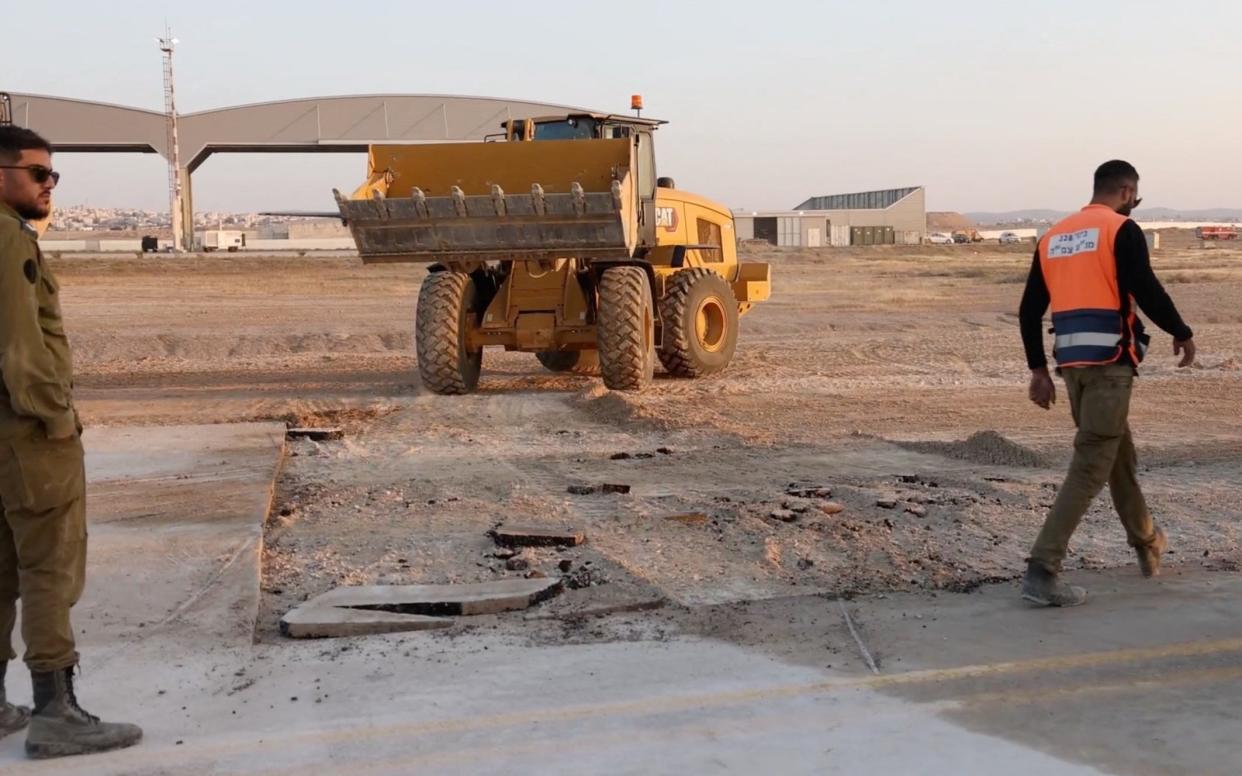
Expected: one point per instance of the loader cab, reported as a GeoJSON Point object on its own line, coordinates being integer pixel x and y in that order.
{"type": "Point", "coordinates": [577, 126]}
{"type": "Point", "coordinates": [599, 126]}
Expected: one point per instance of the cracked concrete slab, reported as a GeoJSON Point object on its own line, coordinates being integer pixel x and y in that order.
{"type": "Point", "coordinates": [314, 622]}
{"type": "Point", "coordinates": [176, 515]}
{"type": "Point", "coordinates": [441, 600]}
{"type": "Point", "coordinates": [532, 536]}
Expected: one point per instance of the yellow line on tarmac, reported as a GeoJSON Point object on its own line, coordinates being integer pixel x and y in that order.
{"type": "Point", "coordinates": [558, 746]}
{"type": "Point", "coordinates": [1061, 662]}
{"type": "Point", "coordinates": [687, 702]}
{"type": "Point", "coordinates": [1028, 696]}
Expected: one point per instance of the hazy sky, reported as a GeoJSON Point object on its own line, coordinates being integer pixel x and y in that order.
{"type": "Point", "coordinates": [991, 105]}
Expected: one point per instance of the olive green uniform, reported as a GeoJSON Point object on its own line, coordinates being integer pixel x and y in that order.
{"type": "Point", "coordinates": [42, 473]}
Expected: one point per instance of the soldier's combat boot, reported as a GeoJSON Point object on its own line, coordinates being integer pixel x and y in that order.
{"type": "Point", "coordinates": [1042, 587]}
{"type": "Point", "coordinates": [1149, 554]}
{"type": "Point", "coordinates": [12, 718]}
{"type": "Point", "coordinates": [60, 727]}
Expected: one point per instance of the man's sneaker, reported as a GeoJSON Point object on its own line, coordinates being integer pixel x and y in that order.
{"type": "Point", "coordinates": [1042, 587]}
{"type": "Point", "coordinates": [1149, 554]}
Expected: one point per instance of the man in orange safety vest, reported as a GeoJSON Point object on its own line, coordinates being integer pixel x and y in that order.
{"type": "Point", "coordinates": [1094, 270]}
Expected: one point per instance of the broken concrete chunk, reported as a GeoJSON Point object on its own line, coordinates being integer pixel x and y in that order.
{"type": "Point", "coordinates": [831, 508]}
{"type": "Point", "coordinates": [785, 515]}
{"type": "Point", "coordinates": [581, 490]}
{"type": "Point", "coordinates": [886, 503]}
{"type": "Point", "coordinates": [585, 576]}
{"type": "Point", "coordinates": [916, 510]}
{"type": "Point", "coordinates": [524, 536]}
{"type": "Point", "coordinates": [317, 434]}
{"type": "Point", "coordinates": [504, 553]}
{"type": "Point", "coordinates": [517, 564]}
{"type": "Point", "coordinates": [805, 490]}
{"type": "Point", "coordinates": [565, 565]}
{"type": "Point", "coordinates": [611, 488]}
{"type": "Point", "coordinates": [317, 622]}
{"type": "Point", "coordinates": [440, 600]}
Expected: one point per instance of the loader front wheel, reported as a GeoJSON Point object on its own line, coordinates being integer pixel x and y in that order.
{"type": "Point", "coordinates": [626, 329]}
{"type": "Point", "coordinates": [447, 305]}
{"type": "Point", "coordinates": [699, 316]}
{"type": "Point", "coordinates": [582, 362]}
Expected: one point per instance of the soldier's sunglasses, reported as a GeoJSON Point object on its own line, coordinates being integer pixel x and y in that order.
{"type": "Point", "coordinates": [38, 173]}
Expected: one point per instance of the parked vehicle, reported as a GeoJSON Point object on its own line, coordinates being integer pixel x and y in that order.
{"type": "Point", "coordinates": [1216, 233]}
{"type": "Point", "coordinates": [1009, 238]}
{"type": "Point", "coordinates": [939, 238]}
{"type": "Point", "coordinates": [221, 240]}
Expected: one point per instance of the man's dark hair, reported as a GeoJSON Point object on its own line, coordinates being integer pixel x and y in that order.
{"type": "Point", "coordinates": [14, 140]}
{"type": "Point", "coordinates": [1111, 176]}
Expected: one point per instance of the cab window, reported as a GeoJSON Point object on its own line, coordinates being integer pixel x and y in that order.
{"type": "Point", "coordinates": [572, 128]}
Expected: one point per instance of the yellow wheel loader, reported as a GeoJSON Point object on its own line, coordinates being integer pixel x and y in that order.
{"type": "Point", "coordinates": [555, 237]}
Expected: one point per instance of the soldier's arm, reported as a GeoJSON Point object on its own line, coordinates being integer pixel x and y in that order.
{"type": "Point", "coordinates": [1135, 275]}
{"type": "Point", "coordinates": [28, 367]}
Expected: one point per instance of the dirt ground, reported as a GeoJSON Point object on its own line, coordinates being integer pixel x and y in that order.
{"type": "Point", "coordinates": [890, 375]}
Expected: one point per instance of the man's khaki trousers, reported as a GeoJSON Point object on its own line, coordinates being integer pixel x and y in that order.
{"type": "Point", "coordinates": [42, 546]}
{"type": "Point", "coordinates": [1103, 453]}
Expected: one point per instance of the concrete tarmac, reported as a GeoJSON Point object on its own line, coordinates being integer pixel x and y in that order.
{"type": "Point", "coordinates": [1144, 679]}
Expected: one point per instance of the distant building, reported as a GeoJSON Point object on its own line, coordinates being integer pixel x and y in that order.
{"type": "Point", "coordinates": [890, 216]}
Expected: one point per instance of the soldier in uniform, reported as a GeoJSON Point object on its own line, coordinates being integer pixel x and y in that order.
{"type": "Point", "coordinates": [42, 476]}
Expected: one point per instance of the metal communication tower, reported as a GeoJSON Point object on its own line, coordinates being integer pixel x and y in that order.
{"type": "Point", "coordinates": [167, 44]}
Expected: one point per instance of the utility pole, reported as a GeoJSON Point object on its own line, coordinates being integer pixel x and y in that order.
{"type": "Point", "coordinates": [167, 44]}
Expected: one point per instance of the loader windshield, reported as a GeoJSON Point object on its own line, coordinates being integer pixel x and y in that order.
{"type": "Point", "coordinates": [572, 128]}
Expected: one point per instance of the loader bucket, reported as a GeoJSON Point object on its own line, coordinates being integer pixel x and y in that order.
{"type": "Point", "coordinates": [470, 202]}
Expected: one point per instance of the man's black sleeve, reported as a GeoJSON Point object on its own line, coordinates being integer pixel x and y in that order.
{"type": "Point", "coordinates": [1135, 276]}
{"type": "Point", "coordinates": [1035, 301]}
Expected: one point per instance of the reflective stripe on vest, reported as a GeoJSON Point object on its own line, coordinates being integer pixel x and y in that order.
{"type": "Point", "coordinates": [1080, 270]}
{"type": "Point", "coordinates": [1087, 336]}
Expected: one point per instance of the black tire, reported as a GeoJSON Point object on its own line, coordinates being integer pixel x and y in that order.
{"type": "Point", "coordinates": [698, 314]}
{"type": "Point", "coordinates": [626, 329]}
{"type": "Point", "coordinates": [582, 362]}
{"type": "Point", "coordinates": [446, 312]}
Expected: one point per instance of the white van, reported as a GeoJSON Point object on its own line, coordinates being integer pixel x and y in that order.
{"type": "Point", "coordinates": [222, 240]}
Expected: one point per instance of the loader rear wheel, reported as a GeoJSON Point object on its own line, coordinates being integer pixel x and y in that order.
{"type": "Point", "coordinates": [626, 329]}
{"type": "Point", "coordinates": [582, 362]}
{"type": "Point", "coordinates": [447, 305]}
{"type": "Point", "coordinates": [699, 317]}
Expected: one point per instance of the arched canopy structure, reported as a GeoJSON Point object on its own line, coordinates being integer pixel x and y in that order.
{"type": "Point", "coordinates": [344, 124]}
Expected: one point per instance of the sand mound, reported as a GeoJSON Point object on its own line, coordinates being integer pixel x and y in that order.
{"type": "Point", "coordinates": [985, 447]}
{"type": "Point", "coordinates": [619, 409]}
